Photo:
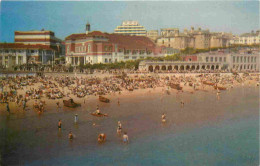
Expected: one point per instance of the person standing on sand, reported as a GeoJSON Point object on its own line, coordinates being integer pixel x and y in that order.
{"type": "Point", "coordinates": [7, 108]}
{"type": "Point", "coordinates": [58, 104]}
{"type": "Point", "coordinates": [24, 104]}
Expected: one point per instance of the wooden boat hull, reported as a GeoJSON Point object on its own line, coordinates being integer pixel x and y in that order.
{"type": "Point", "coordinates": [103, 99]}
{"type": "Point", "coordinates": [67, 103]}
{"type": "Point", "coordinates": [208, 83]}
{"type": "Point", "coordinates": [220, 88]}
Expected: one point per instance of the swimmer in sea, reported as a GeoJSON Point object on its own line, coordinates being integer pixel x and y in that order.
{"type": "Point", "coordinates": [163, 117]}
{"type": "Point", "coordinates": [59, 125]}
{"type": "Point", "coordinates": [125, 138]}
{"type": "Point", "coordinates": [71, 136]}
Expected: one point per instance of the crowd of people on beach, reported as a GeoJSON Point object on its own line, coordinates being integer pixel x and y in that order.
{"type": "Point", "coordinates": [41, 89]}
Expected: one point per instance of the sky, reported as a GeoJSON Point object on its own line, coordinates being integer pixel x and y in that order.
{"type": "Point", "coordinates": [67, 17]}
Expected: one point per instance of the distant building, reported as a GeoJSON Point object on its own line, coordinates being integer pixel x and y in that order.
{"type": "Point", "coordinates": [198, 39]}
{"type": "Point", "coordinates": [153, 34]}
{"type": "Point", "coordinates": [169, 51]}
{"type": "Point", "coordinates": [166, 32]}
{"type": "Point", "coordinates": [170, 37]}
{"type": "Point", "coordinates": [130, 28]}
{"type": "Point", "coordinates": [252, 38]}
{"type": "Point", "coordinates": [98, 47]}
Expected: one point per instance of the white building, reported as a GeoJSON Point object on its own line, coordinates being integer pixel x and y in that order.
{"type": "Point", "coordinates": [247, 39]}
{"type": "Point", "coordinates": [130, 28]}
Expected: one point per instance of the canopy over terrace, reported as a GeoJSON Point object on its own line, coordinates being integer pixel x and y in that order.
{"type": "Point", "coordinates": [178, 66]}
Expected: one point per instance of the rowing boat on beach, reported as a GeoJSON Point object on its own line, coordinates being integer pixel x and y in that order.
{"type": "Point", "coordinates": [103, 99]}
{"type": "Point", "coordinates": [176, 86]}
{"type": "Point", "coordinates": [208, 83]}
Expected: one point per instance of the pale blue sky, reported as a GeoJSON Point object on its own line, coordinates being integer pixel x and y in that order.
{"type": "Point", "coordinates": [67, 17]}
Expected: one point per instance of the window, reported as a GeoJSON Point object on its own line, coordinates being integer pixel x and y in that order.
{"type": "Point", "coordinates": [237, 59]}
{"type": "Point", "coordinates": [234, 59]}
{"type": "Point", "coordinates": [115, 47]}
{"type": "Point", "coordinates": [220, 59]}
{"type": "Point", "coordinates": [211, 59]}
{"type": "Point", "coordinates": [216, 59]}
{"type": "Point", "coordinates": [224, 59]}
{"type": "Point", "coordinates": [89, 47]}
{"type": "Point", "coordinates": [105, 60]}
{"type": "Point", "coordinates": [106, 48]}
{"type": "Point", "coordinates": [207, 59]}
{"type": "Point", "coordinates": [68, 48]}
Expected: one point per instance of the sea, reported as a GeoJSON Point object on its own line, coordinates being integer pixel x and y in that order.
{"type": "Point", "coordinates": [207, 131]}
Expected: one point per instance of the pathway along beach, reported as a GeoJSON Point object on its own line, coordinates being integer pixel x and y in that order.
{"type": "Point", "coordinates": [206, 131]}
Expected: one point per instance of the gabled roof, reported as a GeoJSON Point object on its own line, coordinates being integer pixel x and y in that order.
{"type": "Point", "coordinates": [131, 42]}
{"type": "Point", "coordinates": [126, 41]}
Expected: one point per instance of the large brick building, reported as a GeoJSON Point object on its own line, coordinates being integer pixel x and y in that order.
{"type": "Point", "coordinates": [98, 47]}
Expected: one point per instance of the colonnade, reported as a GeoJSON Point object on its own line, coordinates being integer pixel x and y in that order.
{"type": "Point", "coordinates": [181, 67]}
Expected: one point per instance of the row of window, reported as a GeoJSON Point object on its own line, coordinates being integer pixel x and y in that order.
{"type": "Point", "coordinates": [25, 51]}
{"type": "Point", "coordinates": [246, 59]}
{"type": "Point", "coordinates": [217, 59]}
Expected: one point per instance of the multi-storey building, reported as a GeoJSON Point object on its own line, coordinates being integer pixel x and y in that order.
{"type": "Point", "coordinates": [252, 38]}
{"type": "Point", "coordinates": [207, 61]}
{"type": "Point", "coordinates": [37, 37]}
{"type": "Point", "coordinates": [171, 37]}
{"type": "Point", "coordinates": [12, 54]}
{"type": "Point", "coordinates": [38, 47]}
{"type": "Point", "coordinates": [201, 38]}
{"type": "Point", "coordinates": [97, 47]}
{"type": "Point", "coordinates": [130, 28]}
{"type": "Point", "coordinates": [198, 39]}
{"type": "Point", "coordinates": [153, 34]}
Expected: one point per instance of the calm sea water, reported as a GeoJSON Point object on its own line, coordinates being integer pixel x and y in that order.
{"type": "Point", "coordinates": [206, 132]}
